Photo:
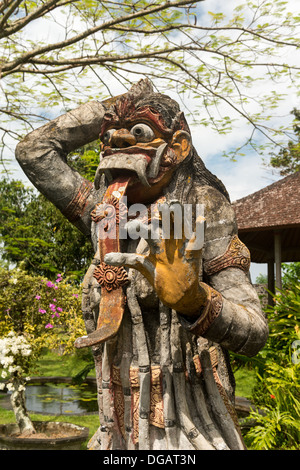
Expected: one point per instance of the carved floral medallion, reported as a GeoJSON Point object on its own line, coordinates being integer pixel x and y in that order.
{"type": "Point", "coordinates": [110, 277]}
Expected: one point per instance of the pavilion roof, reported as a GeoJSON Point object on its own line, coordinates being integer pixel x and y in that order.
{"type": "Point", "coordinates": [275, 208]}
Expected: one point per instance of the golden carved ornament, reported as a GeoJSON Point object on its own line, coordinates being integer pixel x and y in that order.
{"type": "Point", "coordinates": [237, 255]}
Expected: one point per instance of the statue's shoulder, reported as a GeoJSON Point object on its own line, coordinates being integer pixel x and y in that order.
{"type": "Point", "coordinates": [216, 204]}
{"type": "Point", "coordinates": [220, 222]}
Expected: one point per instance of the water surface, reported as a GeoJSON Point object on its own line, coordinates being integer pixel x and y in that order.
{"type": "Point", "coordinates": [61, 399]}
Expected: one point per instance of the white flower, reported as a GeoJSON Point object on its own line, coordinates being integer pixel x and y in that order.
{"type": "Point", "coordinates": [10, 387]}
{"type": "Point", "coordinates": [26, 352]}
{"type": "Point", "coordinates": [13, 369]}
{"type": "Point", "coordinates": [14, 349]}
{"type": "Point", "coordinates": [4, 374]}
{"type": "Point", "coordinates": [7, 361]}
{"type": "Point", "coordinates": [11, 347]}
{"type": "Point", "coordinates": [21, 388]}
{"type": "Point", "coordinates": [2, 386]}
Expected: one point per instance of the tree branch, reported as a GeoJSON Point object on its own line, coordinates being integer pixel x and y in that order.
{"type": "Point", "coordinates": [21, 22]}
{"type": "Point", "coordinates": [212, 61]}
{"type": "Point", "coordinates": [80, 61]}
{"type": "Point", "coordinates": [220, 97]}
{"type": "Point", "coordinates": [67, 64]}
{"type": "Point", "coordinates": [204, 28]}
{"type": "Point", "coordinates": [20, 116]}
{"type": "Point", "coordinates": [9, 12]}
{"type": "Point", "coordinates": [60, 45]}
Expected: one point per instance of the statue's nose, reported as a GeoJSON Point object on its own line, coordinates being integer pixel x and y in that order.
{"type": "Point", "coordinates": [122, 138]}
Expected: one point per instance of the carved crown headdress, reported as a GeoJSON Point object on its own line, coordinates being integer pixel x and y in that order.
{"type": "Point", "coordinates": [142, 96]}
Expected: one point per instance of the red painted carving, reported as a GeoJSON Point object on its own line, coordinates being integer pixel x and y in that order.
{"type": "Point", "coordinates": [110, 277]}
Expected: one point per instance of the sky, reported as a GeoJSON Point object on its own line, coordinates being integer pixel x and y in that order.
{"type": "Point", "coordinates": [244, 176]}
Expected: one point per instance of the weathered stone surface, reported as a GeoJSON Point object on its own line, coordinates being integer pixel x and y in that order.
{"type": "Point", "coordinates": [161, 386]}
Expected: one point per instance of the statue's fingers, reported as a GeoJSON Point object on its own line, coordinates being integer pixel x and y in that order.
{"type": "Point", "coordinates": [196, 242]}
{"type": "Point", "coordinates": [137, 229]}
{"type": "Point", "coordinates": [131, 260]}
{"type": "Point", "coordinates": [172, 220]}
{"type": "Point", "coordinates": [175, 203]}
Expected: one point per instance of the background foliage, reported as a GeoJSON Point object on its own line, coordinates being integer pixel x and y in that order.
{"type": "Point", "coordinates": [287, 160]}
{"type": "Point", "coordinates": [276, 393]}
{"type": "Point", "coordinates": [33, 231]}
{"type": "Point", "coordinates": [49, 312]}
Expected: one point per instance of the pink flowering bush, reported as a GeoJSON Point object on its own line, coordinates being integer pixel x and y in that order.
{"type": "Point", "coordinates": [50, 312]}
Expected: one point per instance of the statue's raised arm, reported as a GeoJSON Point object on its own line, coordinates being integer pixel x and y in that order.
{"type": "Point", "coordinates": [42, 156]}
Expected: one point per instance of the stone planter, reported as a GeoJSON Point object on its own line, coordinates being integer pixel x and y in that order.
{"type": "Point", "coordinates": [50, 436]}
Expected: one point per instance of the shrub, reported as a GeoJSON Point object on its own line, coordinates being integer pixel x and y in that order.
{"type": "Point", "coordinates": [284, 320]}
{"type": "Point", "coordinates": [277, 390]}
{"type": "Point", "coordinates": [277, 424]}
{"type": "Point", "coordinates": [34, 313]}
{"type": "Point", "coordinates": [49, 312]}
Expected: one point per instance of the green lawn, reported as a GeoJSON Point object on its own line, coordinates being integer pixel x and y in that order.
{"type": "Point", "coordinates": [51, 364]}
{"type": "Point", "coordinates": [245, 379]}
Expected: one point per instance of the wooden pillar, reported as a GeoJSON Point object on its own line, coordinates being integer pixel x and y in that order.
{"type": "Point", "coordinates": [277, 253]}
{"type": "Point", "coordinates": [271, 282]}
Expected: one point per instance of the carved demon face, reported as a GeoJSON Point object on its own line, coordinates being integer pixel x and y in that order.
{"type": "Point", "coordinates": [138, 144]}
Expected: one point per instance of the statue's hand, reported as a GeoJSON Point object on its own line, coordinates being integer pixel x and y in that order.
{"type": "Point", "coordinates": [171, 267]}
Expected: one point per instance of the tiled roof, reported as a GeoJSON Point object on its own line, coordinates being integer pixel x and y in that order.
{"type": "Point", "coordinates": [275, 206]}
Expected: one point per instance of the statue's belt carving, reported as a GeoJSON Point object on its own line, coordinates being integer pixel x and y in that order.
{"type": "Point", "coordinates": [237, 255]}
{"type": "Point", "coordinates": [156, 415]}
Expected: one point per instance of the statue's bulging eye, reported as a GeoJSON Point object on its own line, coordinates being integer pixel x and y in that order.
{"type": "Point", "coordinates": [106, 137]}
{"type": "Point", "coordinates": [143, 133]}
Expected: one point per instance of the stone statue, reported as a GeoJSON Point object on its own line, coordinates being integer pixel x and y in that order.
{"type": "Point", "coordinates": [161, 313]}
